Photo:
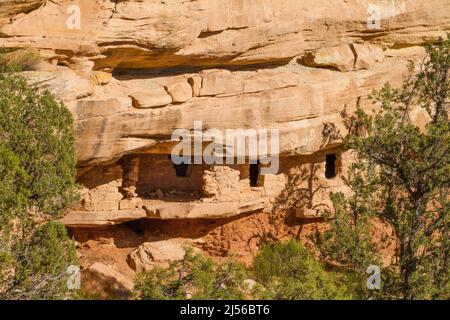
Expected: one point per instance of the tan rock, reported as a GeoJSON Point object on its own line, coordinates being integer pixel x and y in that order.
{"type": "Point", "coordinates": [101, 218]}
{"type": "Point", "coordinates": [202, 33]}
{"type": "Point", "coordinates": [217, 82]}
{"type": "Point", "coordinates": [367, 56]}
{"type": "Point", "coordinates": [9, 8]}
{"type": "Point", "coordinates": [339, 57]}
{"type": "Point", "coordinates": [101, 78]}
{"type": "Point", "coordinates": [136, 70]}
{"type": "Point", "coordinates": [158, 253]}
{"type": "Point", "coordinates": [196, 83]}
{"type": "Point", "coordinates": [151, 211]}
{"type": "Point", "coordinates": [179, 91]}
{"type": "Point", "coordinates": [62, 82]}
{"type": "Point", "coordinates": [307, 213]}
{"type": "Point", "coordinates": [209, 209]}
{"type": "Point", "coordinates": [130, 204]}
{"type": "Point", "coordinates": [221, 182]}
{"type": "Point", "coordinates": [297, 110]}
{"type": "Point", "coordinates": [104, 197]}
{"type": "Point", "coordinates": [82, 65]}
{"type": "Point", "coordinates": [104, 280]}
{"type": "Point", "coordinates": [211, 37]}
{"type": "Point", "coordinates": [267, 80]}
{"type": "Point", "coordinates": [85, 109]}
{"type": "Point", "coordinates": [153, 98]}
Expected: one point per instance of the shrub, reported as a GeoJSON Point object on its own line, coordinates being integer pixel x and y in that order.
{"type": "Point", "coordinates": [195, 277]}
{"type": "Point", "coordinates": [37, 183]}
{"type": "Point", "coordinates": [288, 271]}
{"type": "Point", "coordinates": [40, 260]}
{"type": "Point", "coordinates": [401, 177]}
{"type": "Point", "coordinates": [37, 131]}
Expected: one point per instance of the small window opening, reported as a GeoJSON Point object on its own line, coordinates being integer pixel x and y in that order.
{"type": "Point", "coordinates": [254, 174]}
{"type": "Point", "coordinates": [181, 170]}
{"type": "Point", "coordinates": [137, 226]}
{"type": "Point", "coordinates": [330, 166]}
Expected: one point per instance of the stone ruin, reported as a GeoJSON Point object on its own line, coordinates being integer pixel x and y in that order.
{"type": "Point", "coordinates": [133, 71]}
{"type": "Point", "coordinates": [145, 185]}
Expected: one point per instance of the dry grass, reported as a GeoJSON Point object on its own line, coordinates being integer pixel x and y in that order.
{"type": "Point", "coordinates": [26, 59]}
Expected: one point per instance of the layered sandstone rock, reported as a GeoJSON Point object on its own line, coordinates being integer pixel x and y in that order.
{"type": "Point", "coordinates": [104, 280]}
{"type": "Point", "coordinates": [161, 55]}
{"type": "Point", "coordinates": [149, 34]}
{"type": "Point", "coordinates": [164, 211]}
{"type": "Point", "coordinates": [133, 71]}
{"type": "Point", "coordinates": [158, 253]}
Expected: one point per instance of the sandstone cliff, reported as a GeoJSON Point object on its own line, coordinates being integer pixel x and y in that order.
{"type": "Point", "coordinates": [133, 71]}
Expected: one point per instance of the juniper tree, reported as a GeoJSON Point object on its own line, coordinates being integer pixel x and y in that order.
{"type": "Point", "coordinates": [196, 277]}
{"type": "Point", "coordinates": [401, 176]}
{"type": "Point", "coordinates": [288, 271]}
{"type": "Point", "coordinates": [37, 183]}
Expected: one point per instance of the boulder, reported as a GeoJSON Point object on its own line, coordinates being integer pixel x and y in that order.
{"type": "Point", "coordinates": [158, 253]}
{"type": "Point", "coordinates": [367, 56]}
{"type": "Point", "coordinates": [180, 91]}
{"type": "Point", "coordinates": [339, 57]}
{"type": "Point", "coordinates": [104, 280]}
{"type": "Point", "coordinates": [152, 98]}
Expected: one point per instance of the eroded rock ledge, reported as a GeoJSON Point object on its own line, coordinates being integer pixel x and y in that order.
{"type": "Point", "coordinates": [137, 70]}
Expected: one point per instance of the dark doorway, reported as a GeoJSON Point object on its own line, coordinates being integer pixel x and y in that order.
{"type": "Point", "coordinates": [330, 166]}
{"type": "Point", "coordinates": [137, 226]}
{"type": "Point", "coordinates": [181, 170]}
{"type": "Point", "coordinates": [254, 174]}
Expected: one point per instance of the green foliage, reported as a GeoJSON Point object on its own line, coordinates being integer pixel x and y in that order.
{"type": "Point", "coordinates": [285, 271]}
{"type": "Point", "coordinates": [349, 240]}
{"type": "Point", "coordinates": [195, 277]}
{"type": "Point", "coordinates": [401, 177]}
{"type": "Point", "coordinates": [37, 182]}
{"type": "Point", "coordinates": [288, 271]}
{"type": "Point", "coordinates": [85, 294]}
{"type": "Point", "coordinates": [38, 131]}
{"type": "Point", "coordinates": [12, 202]}
{"type": "Point", "coordinates": [40, 261]}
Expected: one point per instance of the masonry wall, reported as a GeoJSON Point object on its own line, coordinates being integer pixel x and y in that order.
{"type": "Point", "coordinates": [305, 189]}
{"type": "Point", "coordinates": [101, 188]}
{"type": "Point", "coordinates": [157, 172]}
{"type": "Point", "coordinates": [300, 185]}
{"type": "Point", "coordinates": [229, 183]}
